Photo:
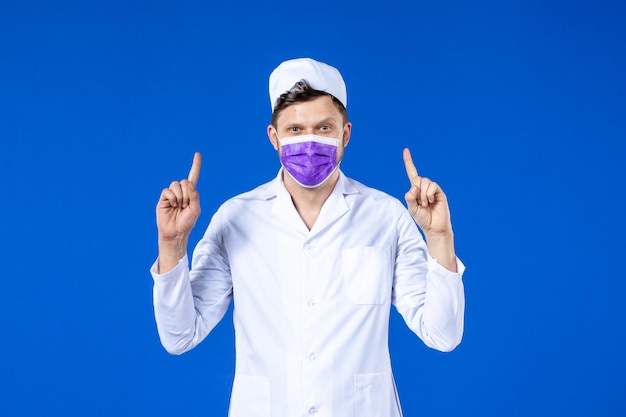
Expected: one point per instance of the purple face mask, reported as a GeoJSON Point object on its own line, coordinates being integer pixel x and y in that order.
{"type": "Point", "coordinates": [309, 159]}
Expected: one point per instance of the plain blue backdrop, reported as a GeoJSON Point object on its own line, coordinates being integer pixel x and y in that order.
{"type": "Point", "coordinates": [518, 109]}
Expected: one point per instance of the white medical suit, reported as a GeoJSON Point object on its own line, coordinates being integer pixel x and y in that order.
{"type": "Point", "coordinates": [311, 308]}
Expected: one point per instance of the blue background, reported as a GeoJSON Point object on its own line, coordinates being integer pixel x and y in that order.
{"type": "Point", "coordinates": [518, 109]}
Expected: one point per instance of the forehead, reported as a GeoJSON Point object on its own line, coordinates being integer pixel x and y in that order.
{"type": "Point", "coordinates": [310, 112]}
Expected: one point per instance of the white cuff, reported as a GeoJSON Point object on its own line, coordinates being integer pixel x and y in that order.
{"type": "Point", "coordinates": [437, 269]}
{"type": "Point", "coordinates": [154, 269]}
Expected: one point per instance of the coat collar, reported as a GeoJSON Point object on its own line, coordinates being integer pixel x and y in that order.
{"type": "Point", "coordinates": [334, 208]}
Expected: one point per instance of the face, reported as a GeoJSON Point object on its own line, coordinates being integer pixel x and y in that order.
{"type": "Point", "coordinates": [315, 117]}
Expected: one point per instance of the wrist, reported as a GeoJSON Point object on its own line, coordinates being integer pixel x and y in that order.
{"type": "Point", "coordinates": [171, 251]}
{"type": "Point", "coordinates": [441, 247]}
{"type": "Point", "coordinates": [444, 236]}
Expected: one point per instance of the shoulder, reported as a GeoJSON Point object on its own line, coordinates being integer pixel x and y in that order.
{"type": "Point", "coordinates": [242, 208]}
{"type": "Point", "coordinates": [250, 200]}
{"type": "Point", "coordinates": [368, 193]}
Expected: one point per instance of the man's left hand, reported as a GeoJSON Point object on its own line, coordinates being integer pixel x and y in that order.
{"type": "Point", "coordinates": [426, 201]}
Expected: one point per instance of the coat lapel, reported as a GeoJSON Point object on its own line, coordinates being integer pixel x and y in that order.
{"type": "Point", "coordinates": [333, 209]}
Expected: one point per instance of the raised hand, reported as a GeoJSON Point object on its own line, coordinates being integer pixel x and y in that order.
{"type": "Point", "coordinates": [426, 201]}
{"type": "Point", "coordinates": [176, 212]}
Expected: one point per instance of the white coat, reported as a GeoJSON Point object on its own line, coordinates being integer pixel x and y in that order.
{"type": "Point", "coordinates": [311, 308]}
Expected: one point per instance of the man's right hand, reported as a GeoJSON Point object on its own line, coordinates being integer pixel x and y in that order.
{"type": "Point", "coordinates": [177, 212]}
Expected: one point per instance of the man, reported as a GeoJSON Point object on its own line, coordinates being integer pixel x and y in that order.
{"type": "Point", "coordinates": [313, 261]}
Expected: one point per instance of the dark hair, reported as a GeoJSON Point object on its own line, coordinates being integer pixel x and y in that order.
{"type": "Point", "coordinates": [302, 91]}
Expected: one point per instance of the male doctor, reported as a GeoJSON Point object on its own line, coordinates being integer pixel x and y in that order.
{"type": "Point", "coordinates": [313, 261]}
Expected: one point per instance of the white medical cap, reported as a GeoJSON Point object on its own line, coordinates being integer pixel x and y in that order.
{"type": "Point", "coordinates": [319, 75]}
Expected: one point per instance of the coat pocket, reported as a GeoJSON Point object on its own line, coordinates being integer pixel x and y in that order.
{"type": "Point", "coordinates": [250, 397]}
{"type": "Point", "coordinates": [372, 395]}
{"type": "Point", "coordinates": [367, 274]}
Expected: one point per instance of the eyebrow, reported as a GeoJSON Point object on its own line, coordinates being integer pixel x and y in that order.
{"type": "Point", "coordinates": [326, 120]}
{"type": "Point", "coordinates": [317, 123]}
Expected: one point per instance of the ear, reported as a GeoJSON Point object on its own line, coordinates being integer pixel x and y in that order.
{"type": "Point", "coordinates": [347, 130]}
{"type": "Point", "coordinates": [273, 137]}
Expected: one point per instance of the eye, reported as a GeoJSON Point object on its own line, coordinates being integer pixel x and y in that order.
{"type": "Point", "coordinates": [325, 128]}
{"type": "Point", "coordinates": [293, 129]}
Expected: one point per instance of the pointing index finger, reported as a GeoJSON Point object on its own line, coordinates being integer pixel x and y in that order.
{"type": "Point", "coordinates": [194, 172]}
{"type": "Point", "coordinates": [411, 171]}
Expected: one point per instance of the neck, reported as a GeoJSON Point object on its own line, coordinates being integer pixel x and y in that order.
{"type": "Point", "coordinates": [309, 201]}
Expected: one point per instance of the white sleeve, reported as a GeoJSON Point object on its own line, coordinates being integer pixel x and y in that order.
{"type": "Point", "coordinates": [430, 298]}
{"type": "Point", "coordinates": [189, 303]}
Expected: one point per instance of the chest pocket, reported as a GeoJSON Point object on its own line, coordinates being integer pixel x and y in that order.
{"type": "Point", "coordinates": [367, 274]}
